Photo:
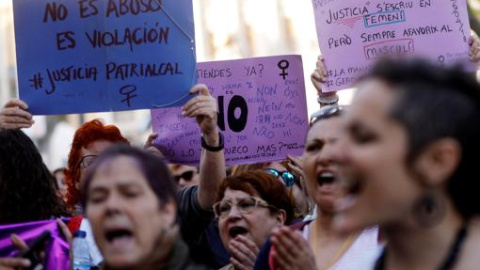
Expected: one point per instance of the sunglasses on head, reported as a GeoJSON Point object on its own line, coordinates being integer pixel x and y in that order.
{"type": "Point", "coordinates": [187, 176]}
{"type": "Point", "coordinates": [287, 177]}
{"type": "Point", "coordinates": [325, 113]}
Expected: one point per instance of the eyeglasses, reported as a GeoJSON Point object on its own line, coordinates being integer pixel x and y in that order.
{"type": "Point", "coordinates": [244, 206]}
{"type": "Point", "coordinates": [325, 113]}
{"type": "Point", "coordinates": [86, 161]}
{"type": "Point", "coordinates": [288, 178]}
{"type": "Point", "coordinates": [187, 176]}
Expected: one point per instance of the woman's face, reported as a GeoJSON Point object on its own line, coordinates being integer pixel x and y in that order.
{"type": "Point", "coordinates": [255, 226]}
{"type": "Point", "coordinates": [88, 155]}
{"type": "Point", "coordinates": [380, 187]}
{"type": "Point", "coordinates": [126, 217]}
{"type": "Point", "coordinates": [319, 165]}
{"type": "Point", "coordinates": [62, 185]}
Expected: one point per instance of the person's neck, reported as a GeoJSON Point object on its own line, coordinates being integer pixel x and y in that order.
{"type": "Point", "coordinates": [324, 224]}
{"type": "Point", "coordinates": [413, 247]}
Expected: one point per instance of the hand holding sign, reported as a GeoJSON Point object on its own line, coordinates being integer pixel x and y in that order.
{"type": "Point", "coordinates": [204, 108]}
{"type": "Point", "coordinates": [319, 75]}
{"type": "Point", "coordinates": [258, 104]}
{"type": "Point", "coordinates": [15, 263]}
{"type": "Point", "coordinates": [92, 56]}
{"type": "Point", "coordinates": [14, 115]}
{"type": "Point", "coordinates": [361, 32]}
{"type": "Point", "coordinates": [474, 44]}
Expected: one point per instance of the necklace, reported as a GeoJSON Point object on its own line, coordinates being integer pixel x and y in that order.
{"type": "Point", "coordinates": [449, 262]}
{"type": "Point", "coordinates": [346, 244]}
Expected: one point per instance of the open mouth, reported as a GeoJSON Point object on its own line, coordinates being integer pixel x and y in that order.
{"type": "Point", "coordinates": [235, 231]}
{"type": "Point", "coordinates": [326, 178]}
{"type": "Point", "coordinates": [118, 234]}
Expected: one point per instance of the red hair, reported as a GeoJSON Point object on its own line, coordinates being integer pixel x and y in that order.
{"type": "Point", "coordinates": [88, 133]}
{"type": "Point", "coordinates": [265, 185]}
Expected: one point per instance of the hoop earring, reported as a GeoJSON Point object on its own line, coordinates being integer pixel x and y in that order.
{"type": "Point", "coordinates": [430, 209]}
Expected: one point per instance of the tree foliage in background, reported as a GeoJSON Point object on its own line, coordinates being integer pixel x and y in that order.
{"type": "Point", "coordinates": [474, 14]}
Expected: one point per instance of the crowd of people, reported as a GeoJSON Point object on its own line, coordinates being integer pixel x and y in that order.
{"type": "Point", "coordinates": [388, 183]}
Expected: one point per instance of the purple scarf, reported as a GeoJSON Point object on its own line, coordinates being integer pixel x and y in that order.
{"type": "Point", "coordinates": [57, 249]}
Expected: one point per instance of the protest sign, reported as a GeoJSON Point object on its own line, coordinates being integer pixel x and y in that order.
{"type": "Point", "coordinates": [262, 112]}
{"type": "Point", "coordinates": [103, 55]}
{"type": "Point", "coordinates": [353, 34]}
{"type": "Point", "coordinates": [56, 250]}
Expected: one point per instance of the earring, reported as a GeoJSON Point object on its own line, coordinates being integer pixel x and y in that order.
{"type": "Point", "coordinates": [430, 209]}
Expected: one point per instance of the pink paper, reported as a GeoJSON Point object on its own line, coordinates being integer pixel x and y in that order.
{"type": "Point", "coordinates": [353, 34]}
{"type": "Point", "coordinates": [263, 112]}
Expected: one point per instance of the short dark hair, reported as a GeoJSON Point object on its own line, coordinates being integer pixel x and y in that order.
{"type": "Point", "coordinates": [268, 187]}
{"type": "Point", "coordinates": [153, 168]}
{"type": "Point", "coordinates": [435, 102]}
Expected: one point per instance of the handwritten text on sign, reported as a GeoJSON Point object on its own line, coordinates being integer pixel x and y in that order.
{"type": "Point", "coordinates": [262, 112]}
{"type": "Point", "coordinates": [352, 34]}
{"type": "Point", "coordinates": [103, 55]}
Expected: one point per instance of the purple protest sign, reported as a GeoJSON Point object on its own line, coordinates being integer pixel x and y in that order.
{"type": "Point", "coordinates": [353, 34]}
{"type": "Point", "coordinates": [56, 251]}
{"type": "Point", "coordinates": [262, 112]}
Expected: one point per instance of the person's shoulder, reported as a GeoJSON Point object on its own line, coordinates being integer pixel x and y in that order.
{"type": "Point", "coordinates": [469, 258]}
{"type": "Point", "coordinates": [187, 191]}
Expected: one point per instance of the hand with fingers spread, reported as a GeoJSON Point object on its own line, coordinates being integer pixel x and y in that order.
{"type": "Point", "coordinates": [13, 115]}
{"type": "Point", "coordinates": [291, 251]}
{"type": "Point", "coordinates": [150, 147]}
{"type": "Point", "coordinates": [474, 44]}
{"type": "Point", "coordinates": [204, 108]}
{"type": "Point", "coordinates": [244, 253]}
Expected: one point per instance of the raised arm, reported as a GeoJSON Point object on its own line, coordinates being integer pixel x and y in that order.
{"type": "Point", "coordinates": [212, 161]}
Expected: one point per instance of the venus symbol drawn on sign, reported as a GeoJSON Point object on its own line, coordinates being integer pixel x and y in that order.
{"type": "Point", "coordinates": [283, 65]}
{"type": "Point", "coordinates": [127, 91]}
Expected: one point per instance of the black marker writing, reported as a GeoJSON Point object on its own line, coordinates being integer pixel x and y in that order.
{"type": "Point", "coordinates": [128, 91]}
{"type": "Point", "coordinates": [283, 65]}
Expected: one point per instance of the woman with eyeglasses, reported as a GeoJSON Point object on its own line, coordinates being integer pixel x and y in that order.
{"type": "Point", "coordinates": [91, 139]}
{"type": "Point", "coordinates": [291, 176]}
{"type": "Point", "coordinates": [249, 206]}
{"type": "Point", "coordinates": [314, 244]}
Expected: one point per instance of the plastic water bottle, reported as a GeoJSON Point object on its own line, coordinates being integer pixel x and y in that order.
{"type": "Point", "coordinates": [81, 252]}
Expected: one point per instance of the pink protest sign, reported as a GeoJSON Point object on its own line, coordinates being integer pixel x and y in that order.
{"type": "Point", "coordinates": [353, 34]}
{"type": "Point", "coordinates": [262, 112]}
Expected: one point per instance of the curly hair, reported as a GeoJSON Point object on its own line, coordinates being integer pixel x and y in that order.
{"type": "Point", "coordinates": [27, 191]}
{"type": "Point", "coordinates": [88, 133]}
{"type": "Point", "coordinates": [265, 185]}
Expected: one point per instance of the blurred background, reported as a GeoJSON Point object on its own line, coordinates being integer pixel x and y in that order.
{"type": "Point", "coordinates": [224, 29]}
